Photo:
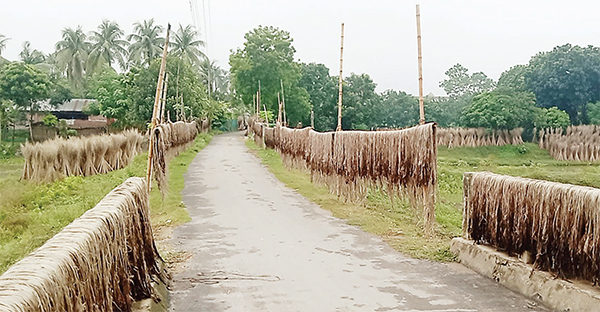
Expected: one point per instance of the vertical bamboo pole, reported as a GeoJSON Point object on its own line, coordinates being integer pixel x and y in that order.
{"type": "Point", "coordinates": [278, 109]}
{"type": "Point", "coordinates": [421, 105]}
{"type": "Point", "coordinates": [283, 103]}
{"type": "Point", "coordinates": [258, 101]}
{"type": "Point", "coordinates": [164, 99]}
{"type": "Point", "coordinates": [161, 75]}
{"type": "Point", "coordinates": [341, 82]}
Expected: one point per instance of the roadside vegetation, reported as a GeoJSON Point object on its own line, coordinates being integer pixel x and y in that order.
{"type": "Point", "coordinates": [32, 213]}
{"type": "Point", "coordinates": [399, 225]}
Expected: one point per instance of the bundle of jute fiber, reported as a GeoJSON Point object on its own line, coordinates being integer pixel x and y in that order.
{"type": "Point", "coordinates": [57, 158]}
{"type": "Point", "coordinates": [269, 136]}
{"type": "Point", "coordinates": [558, 224]}
{"type": "Point", "coordinates": [102, 261]}
{"type": "Point", "coordinates": [401, 162]}
{"type": "Point", "coordinates": [169, 139]}
{"type": "Point", "coordinates": [294, 146]}
{"type": "Point", "coordinates": [579, 143]}
{"type": "Point", "coordinates": [455, 137]}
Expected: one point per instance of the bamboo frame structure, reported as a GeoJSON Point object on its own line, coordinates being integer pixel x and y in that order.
{"type": "Point", "coordinates": [341, 82]}
{"type": "Point", "coordinates": [163, 65]}
{"type": "Point", "coordinates": [421, 104]}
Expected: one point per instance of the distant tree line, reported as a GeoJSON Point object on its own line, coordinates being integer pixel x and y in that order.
{"type": "Point", "coordinates": [555, 89]}
{"type": "Point", "coordinates": [119, 70]}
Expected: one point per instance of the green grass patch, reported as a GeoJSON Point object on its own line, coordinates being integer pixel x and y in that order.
{"type": "Point", "coordinates": [399, 225]}
{"type": "Point", "coordinates": [32, 213]}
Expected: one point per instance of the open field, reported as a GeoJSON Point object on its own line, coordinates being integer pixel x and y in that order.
{"type": "Point", "coordinates": [31, 213]}
{"type": "Point", "coordinates": [398, 224]}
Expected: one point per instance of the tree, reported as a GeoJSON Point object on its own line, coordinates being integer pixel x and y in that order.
{"type": "Point", "coordinates": [397, 110]}
{"type": "Point", "coordinates": [567, 77]}
{"type": "Point", "coordinates": [30, 56]}
{"type": "Point", "coordinates": [25, 86]}
{"type": "Point", "coordinates": [323, 93]}
{"type": "Point", "coordinates": [107, 46]}
{"type": "Point", "coordinates": [214, 78]}
{"type": "Point", "coordinates": [501, 109]}
{"type": "Point", "coordinates": [551, 118]}
{"type": "Point", "coordinates": [445, 111]}
{"type": "Point", "coordinates": [268, 57]}
{"type": "Point", "coordinates": [186, 47]}
{"type": "Point", "coordinates": [459, 83]}
{"type": "Point", "coordinates": [146, 42]}
{"type": "Point", "coordinates": [593, 113]}
{"type": "Point", "coordinates": [72, 55]}
{"type": "Point", "coordinates": [359, 103]}
{"type": "Point", "coordinates": [514, 78]}
{"type": "Point", "coordinates": [3, 41]}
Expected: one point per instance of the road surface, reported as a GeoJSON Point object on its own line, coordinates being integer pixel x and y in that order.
{"type": "Point", "coordinates": [259, 246]}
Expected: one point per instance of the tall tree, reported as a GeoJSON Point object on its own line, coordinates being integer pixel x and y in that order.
{"type": "Point", "coordinates": [146, 42]}
{"type": "Point", "coordinates": [214, 78]}
{"type": "Point", "coordinates": [268, 57]}
{"type": "Point", "coordinates": [107, 46]}
{"type": "Point", "coordinates": [397, 110]}
{"type": "Point", "coordinates": [514, 78]}
{"type": "Point", "coordinates": [24, 85]}
{"type": "Point", "coordinates": [360, 103]}
{"type": "Point", "coordinates": [30, 56]}
{"type": "Point", "coordinates": [3, 41]}
{"type": "Point", "coordinates": [323, 93]}
{"type": "Point", "coordinates": [186, 46]}
{"type": "Point", "coordinates": [459, 83]}
{"type": "Point", "coordinates": [567, 77]}
{"type": "Point", "coordinates": [72, 55]}
{"type": "Point", "coordinates": [501, 109]}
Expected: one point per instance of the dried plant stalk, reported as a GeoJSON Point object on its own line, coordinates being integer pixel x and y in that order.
{"type": "Point", "coordinates": [57, 158]}
{"type": "Point", "coordinates": [579, 143]}
{"type": "Point", "coordinates": [455, 137]}
{"type": "Point", "coordinates": [101, 262]}
{"type": "Point", "coordinates": [559, 224]}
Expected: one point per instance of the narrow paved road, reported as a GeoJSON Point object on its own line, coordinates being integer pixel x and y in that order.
{"type": "Point", "coordinates": [259, 246]}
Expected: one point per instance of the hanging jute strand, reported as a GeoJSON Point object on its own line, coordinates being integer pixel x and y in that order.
{"type": "Point", "coordinates": [400, 162]}
{"type": "Point", "coordinates": [102, 261]}
{"type": "Point", "coordinates": [557, 224]}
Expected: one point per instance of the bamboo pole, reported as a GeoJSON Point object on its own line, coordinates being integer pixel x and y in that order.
{"type": "Point", "coordinates": [341, 82]}
{"type": "Point", "coordinates": [283, 103]}
{"type": "Point", "coordinates": [254, 103]}
{"type": "Point", "coordinates": [421, 105]}
{"type": "Point", "coordinates": [258, 98]}
{"type": "Point", "coordinates": [279, 109]}
{"type": "Point", "coordinates": [164, 99]}
{"type": "Point", "coordinates": [161, 74]}
{"type": "Point", "coordinates": [266, 115]}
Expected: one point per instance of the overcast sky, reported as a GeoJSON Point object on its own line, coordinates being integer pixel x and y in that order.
{"type": "Point", "coordinates": [380, 35]}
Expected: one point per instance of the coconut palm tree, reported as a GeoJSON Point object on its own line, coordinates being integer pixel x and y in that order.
{"type": "Point", "coordinates": [30, 56]}
{"type": "Point", "coordinates": [3, 41]}
{"type": "Point", "coordinates": [107, 46]}
{"type": "Point", "coordinates": [72, 55]}
{"type": "Point", "coordinates": [146, 42]}
{"type": "Point", "coordinates": [186, 46]}
{"type": "Point", "coordinates": [213, 77]}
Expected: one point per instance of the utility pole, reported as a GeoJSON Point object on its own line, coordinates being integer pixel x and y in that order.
{"type": "Point", "coordinates": [421, 105]}
{"type": "Point", "coordinates": [159, 87]}
{"type": "Point", "coordinates": [341, 82]}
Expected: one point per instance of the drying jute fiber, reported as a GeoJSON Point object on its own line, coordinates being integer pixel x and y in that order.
{"type": "Point", "coordinates": [558, 224]}
{"type": "Point", "coordinates": [102, 261]}
{"type": "Point", "coordinates": [455, 137]}
{"type": "Point", "coordinates": [577, 143]}
{"type": "Point", "coordinates": [57, 158]}
{"type": "Point", "coordinates": [399, 162]}
{"type": "Point", "coordinates": [169, 140]}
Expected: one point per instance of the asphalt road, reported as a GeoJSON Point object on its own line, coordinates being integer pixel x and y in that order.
{"type": "Point", "coordinates": [259, 246]}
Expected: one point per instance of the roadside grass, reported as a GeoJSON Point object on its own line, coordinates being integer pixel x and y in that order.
{"type": "Point", "coordinates": [399, 225]}
{"type": "Point", "coordinates": [32, 213]}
